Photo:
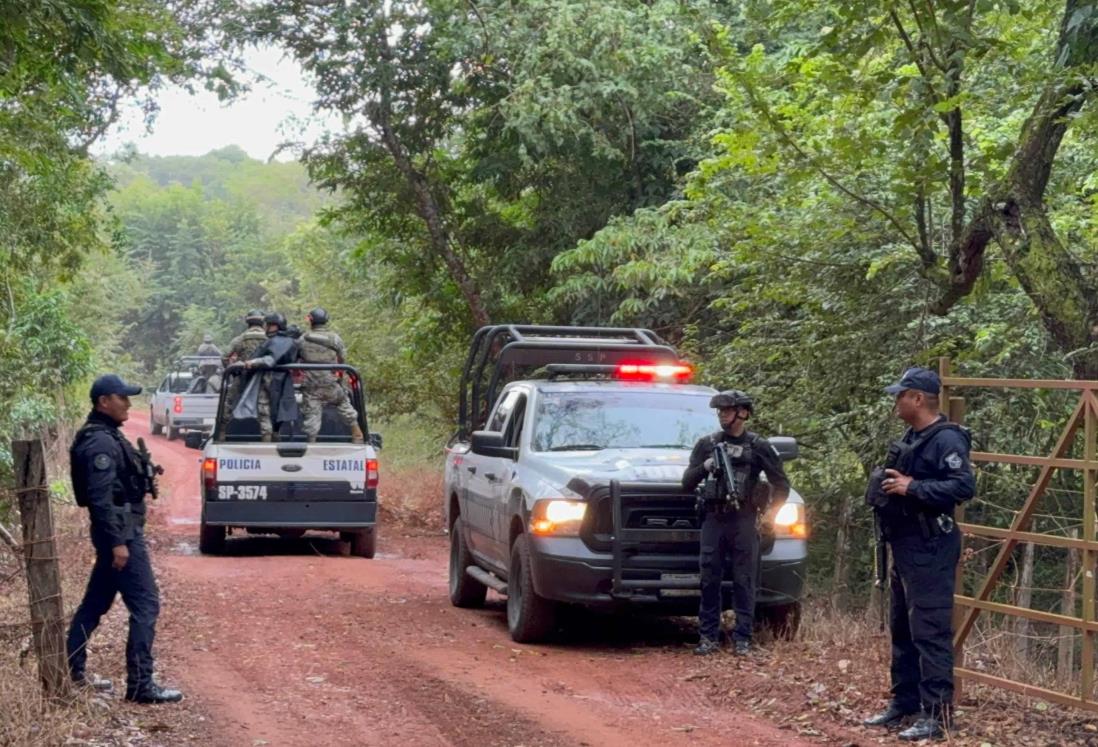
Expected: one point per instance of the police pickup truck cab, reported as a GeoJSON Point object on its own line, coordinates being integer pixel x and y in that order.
{"type": "Point", "coordinates": [566, 487]}
{"type": "Point", "coordinates": [185, 400]}
{"type": "Point", "coordinates": [289, 485]}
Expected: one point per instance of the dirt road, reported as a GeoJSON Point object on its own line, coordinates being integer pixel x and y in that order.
{"type": "Point", "coordinates": [291, 643]}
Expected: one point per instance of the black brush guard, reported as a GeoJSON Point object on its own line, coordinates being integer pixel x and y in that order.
{"type": "Point", "coordinates": [653, 533]}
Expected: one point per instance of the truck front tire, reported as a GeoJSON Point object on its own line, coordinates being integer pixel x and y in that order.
{"type": "Point", "coordinates": [465, 591]}
{"type": "Point", "coordinates": [783, 620]}
{"type": "Point", "coordinates": [530, 618]}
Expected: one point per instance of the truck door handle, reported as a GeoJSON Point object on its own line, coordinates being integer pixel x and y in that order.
{"type": "Point", "coordinates": [490, 476]}
{"type": "Point", "coordinates": [472, 469]}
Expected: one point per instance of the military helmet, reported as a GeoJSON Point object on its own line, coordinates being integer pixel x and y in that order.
{"type": "Point", "coordinates": [276, 319]}
{"type": "Point", "coordinates": [318, 316]}
{"type": "Point", "coordinates": [733, 398]}
{"type": "Point", "coordinates": [255, 316]}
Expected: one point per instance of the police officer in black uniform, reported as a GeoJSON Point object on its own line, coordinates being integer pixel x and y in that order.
{"type": "Point", "coordinates": [926, 475]}
{"type": "Point", "coordinates": [732, 528]}
{"type": "Point", "coordinates": [110, 478]}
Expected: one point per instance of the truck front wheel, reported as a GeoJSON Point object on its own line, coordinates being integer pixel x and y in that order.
{"type": "Point", "coordinates": [530, 618]}
{"type": "Point", "coordinates": [465, 591]}
{"type": "Point", "coordinates": [784, 620]}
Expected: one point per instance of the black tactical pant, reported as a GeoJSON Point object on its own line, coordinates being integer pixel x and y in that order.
{"type": "Point", "coordinates": [137, 586]}
{"type": "Point", "coordinates": [731, 535]}
{"type": "Point", "coordinates": [922, 583]}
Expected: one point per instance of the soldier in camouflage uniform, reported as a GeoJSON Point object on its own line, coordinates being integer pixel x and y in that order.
{"type": "Point", "coordinates": [320, 388]}
{"type": "Point", "coordinates": [241, 349]}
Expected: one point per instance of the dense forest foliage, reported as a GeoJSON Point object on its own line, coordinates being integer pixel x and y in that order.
{"type": "Point", "coordinates": [806, 197]}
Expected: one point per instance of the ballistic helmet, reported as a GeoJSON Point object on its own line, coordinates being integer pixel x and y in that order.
{"type": "Point", "coordinates": [318, 316]}
{"type": "Point", "coordinates": [276, 319]}
{"type": "Point", "coordinates": [733, 398]}
{"type": "Point", "coordinates": [255, 316]}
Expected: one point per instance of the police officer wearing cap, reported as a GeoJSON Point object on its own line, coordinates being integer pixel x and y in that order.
{"type": "Point", "coordinates": [109, 478]}
{"type": "Point", "coordinates": [732, 529]}
{"type": "Point", "coordinates": [926, 475]}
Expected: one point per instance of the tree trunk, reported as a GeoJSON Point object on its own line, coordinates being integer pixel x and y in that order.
{"type": "Point", "coordinates": [1065, 654]}
{"type": "Point", "coordinates": [1024, 598]}
{"type": "Point", "coordinates": [840, 578]}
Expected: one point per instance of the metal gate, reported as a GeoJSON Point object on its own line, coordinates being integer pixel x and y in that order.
{"type": "Point", "coordinates": [1084, 416]}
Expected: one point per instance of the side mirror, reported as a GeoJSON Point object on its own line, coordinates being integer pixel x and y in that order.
{"type": "Point", "coordinates": [786, 446]}
{"type": "Point", "coordinates": [490, 443]}
{"type": "Point", "coordinates": [375, 440]}
{"type": "Point", "coordinates": [194, 439]}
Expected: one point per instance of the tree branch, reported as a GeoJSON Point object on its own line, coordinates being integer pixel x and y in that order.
{"type": "Point", "coordinates": [813, 161]}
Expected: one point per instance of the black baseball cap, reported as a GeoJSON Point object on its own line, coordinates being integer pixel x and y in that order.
{"type": "Point", "coordinates": [918, 378]}
{"type": "Point", "coordinates": [112, 384]}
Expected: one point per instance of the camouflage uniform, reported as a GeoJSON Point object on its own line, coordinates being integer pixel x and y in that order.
{"type": "Point", "coordinates": [320, 388]}
{"type": "Point", "coordinates": [242, 348]}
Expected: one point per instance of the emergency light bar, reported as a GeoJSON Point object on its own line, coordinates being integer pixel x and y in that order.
{"type": "Point", "coordinates": [643, 371]}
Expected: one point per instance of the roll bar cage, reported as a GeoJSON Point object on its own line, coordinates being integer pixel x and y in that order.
{"type": "Point", "coordinates": [501, 352]}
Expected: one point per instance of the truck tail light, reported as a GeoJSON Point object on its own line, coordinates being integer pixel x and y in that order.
{"type": "Point", "coordinates": [647, 371]}
{"type": "Point", "coordinates": [371, 474]}
{"type": "Point", "coordinates": [209, 473]}
{"type": "Point", "coordinates": [177, 406]}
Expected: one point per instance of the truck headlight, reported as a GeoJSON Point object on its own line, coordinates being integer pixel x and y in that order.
{"type": "Point", "coordinates": [790, 521]}
{"type": "Point", "coordinates": [557, 517]}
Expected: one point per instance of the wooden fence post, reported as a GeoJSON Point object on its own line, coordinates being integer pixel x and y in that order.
{"type": "Point", "coordinates": [43, 571]}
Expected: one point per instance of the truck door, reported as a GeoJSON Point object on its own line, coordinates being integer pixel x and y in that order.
{"type": "Point", "coordinates": [481, 484]}
{"type": "Point", "coordinates": [504, 471]}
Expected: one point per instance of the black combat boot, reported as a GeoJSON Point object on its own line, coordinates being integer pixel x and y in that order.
{"type": "Point", "coordinates": [706, 647]}
{"type": "Point", "coordinates": [890, 717]}
{"type": "Point", "coordinates": [153, 693]}
{"type": "Point", "coordinates": [927, 727]}
{"type": "Point", "coordinates": [742, 648]}
{"type": "Point", "coordinates": [92, 683]}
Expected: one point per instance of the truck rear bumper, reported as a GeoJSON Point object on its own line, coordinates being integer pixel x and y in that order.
{"type": "Point", "coordinates": [565, 570]}
{"type": "Point", "coordinates": [334, 515]}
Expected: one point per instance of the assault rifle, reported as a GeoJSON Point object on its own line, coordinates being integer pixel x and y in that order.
{"type": "Point", "coordinates": [149, 469]}
{"type": "Point", "coordinates": [719, 488]}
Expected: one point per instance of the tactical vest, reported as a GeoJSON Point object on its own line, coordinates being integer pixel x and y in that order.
{"type": "Point", "coordinates": [249, 342]}
{"type": "Point", "coordinates": [319, 346]}
{"type": "Point", "coordinates": [129, 476]}
{"type": "Point", "coordinates": [901, 457]}
{"type": "Point", "coordinates": [742, 457]}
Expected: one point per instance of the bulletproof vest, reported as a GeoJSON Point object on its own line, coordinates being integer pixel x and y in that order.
{"type": "Point", "coordinates": [129, 477]}
{"type": "Point", "coordinates": [319, 346]}
{"type": "Point", "coordinates": [901, 455]}
{"type": "Point", "coordinates": [742, 457]}
{"type": "Point", "coordinates": [250, 341]}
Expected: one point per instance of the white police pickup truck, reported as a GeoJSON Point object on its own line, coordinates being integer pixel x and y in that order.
{"type": "Point", "coordinates": [289, 486]}
{"type": "Point", "coordinates": [185, 400]}
{"type": "Point", "coordinates": [566, 488]}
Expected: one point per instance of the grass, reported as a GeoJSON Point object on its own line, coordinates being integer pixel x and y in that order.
{"type": "Point", "coordinates": [411, 463]}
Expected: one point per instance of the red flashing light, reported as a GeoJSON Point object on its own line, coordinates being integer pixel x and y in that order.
{"type": "Point", "coordinates": [177, 405]}
{"type": "Point", "coordinates": [371, 474]}
{"type": "Point", "coordinates": [209, 473]}
{"type": "Point", "coordinates": [646, 371]}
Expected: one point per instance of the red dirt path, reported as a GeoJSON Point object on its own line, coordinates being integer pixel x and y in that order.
{"type": "Point", "coordinates": [291, 643]}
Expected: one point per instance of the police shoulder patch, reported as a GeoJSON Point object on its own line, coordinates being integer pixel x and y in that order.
{"type": "Point", "coordinates": [102, 461]}
{"type": "Point", "coordinates": [953, 460]}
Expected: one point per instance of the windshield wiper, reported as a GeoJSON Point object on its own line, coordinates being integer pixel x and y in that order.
{"type": "Point", "coordinates": [659, 446]}
{"type": "Point", "coordinates": [576, 447]}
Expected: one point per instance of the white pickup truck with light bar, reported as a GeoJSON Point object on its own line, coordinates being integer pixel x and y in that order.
{"type": "Point", "coordinates": [290, 485]}
{"type": "Point", "coordinates": [563, 483]}
{"type": "Point", "coordinates": [184, 400]}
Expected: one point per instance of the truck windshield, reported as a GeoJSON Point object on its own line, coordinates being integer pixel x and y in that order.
{"type": "Point", "coordinates": [590, 421]}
